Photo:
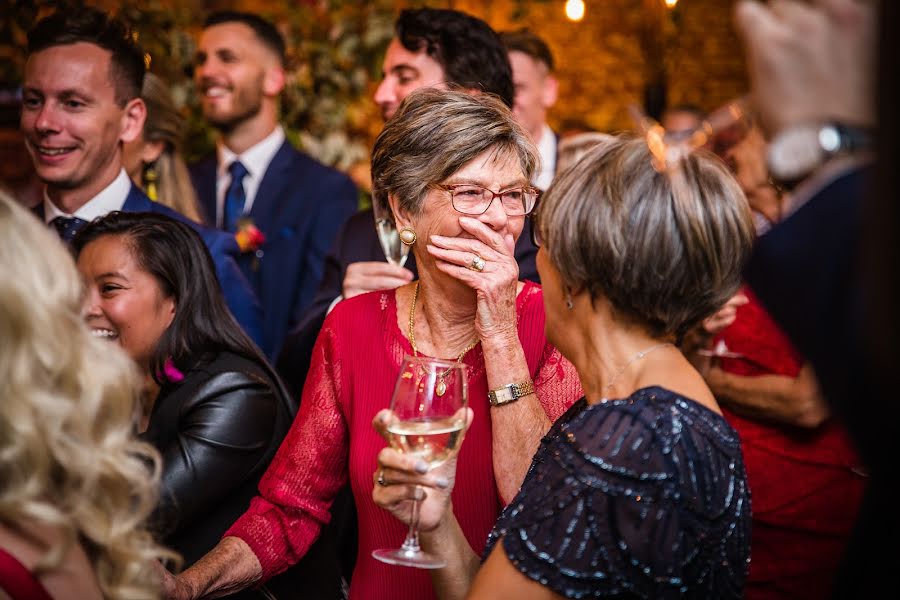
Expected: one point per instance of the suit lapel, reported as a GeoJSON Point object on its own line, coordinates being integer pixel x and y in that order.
{"type": "Point", "coordinates": [203, 175]}
{"type": "Point", "coordinates": [271, 192]}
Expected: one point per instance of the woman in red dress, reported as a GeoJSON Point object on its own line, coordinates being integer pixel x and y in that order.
{"type": "Point", "coordinates": [453, 169]}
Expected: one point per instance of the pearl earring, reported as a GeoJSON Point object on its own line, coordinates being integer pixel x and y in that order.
{"type": "Point", "coordinates": [408, 236]}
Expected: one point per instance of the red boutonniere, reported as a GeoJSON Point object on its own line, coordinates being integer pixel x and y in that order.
{"type": "Point", "coordinates": [249, 238]}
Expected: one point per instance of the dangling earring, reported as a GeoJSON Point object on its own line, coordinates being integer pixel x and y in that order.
{"type": "Point", "coordinates": [150, 179]}
{"type": "Point", "coordinates": [408, 236]}
{"type": "Point", "coordinates": [569, 304]}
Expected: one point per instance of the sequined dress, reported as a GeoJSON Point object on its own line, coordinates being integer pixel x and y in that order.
{"type": "Point", "coordinates": [643, 497]}
{"type": "Point", "coordinates": [354, 368]}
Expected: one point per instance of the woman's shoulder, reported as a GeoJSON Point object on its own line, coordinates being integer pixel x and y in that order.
{"type": "Point", "coordinates": [530, 298]}
{"type": "Point", "coordinates": [27, 546]}
{"type": "Point", "coordinates": [662, 420]}
{"type": "Point", "coordinates": [611, 480]}
{"type": "Point", "coordinates": [228, 362]}
{"type": "Point", "coordinates": [647, 440]}
{"type": "Point", "coordinates": [362, 312]}
{"type": "Point", "coordinates": [221, 374]}
{"type": "Point", "coordinates": [379, 300]}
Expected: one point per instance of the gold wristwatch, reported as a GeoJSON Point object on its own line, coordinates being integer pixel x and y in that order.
{"type": "Point", "coordinates": [510, 393]}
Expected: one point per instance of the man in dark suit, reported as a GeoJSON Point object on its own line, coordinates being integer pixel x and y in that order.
{"type": "Point", "coordinates": [256, 178]}
{"type": "Point", "coordinates": [81, 102]}
{"type": "Point", "coordinates": [826, 273]}
{"type": "Point", "coordinates": [431, 48]}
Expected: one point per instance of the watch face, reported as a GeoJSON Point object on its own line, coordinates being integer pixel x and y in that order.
{"type": "Point", "coordinates": [794, 153]}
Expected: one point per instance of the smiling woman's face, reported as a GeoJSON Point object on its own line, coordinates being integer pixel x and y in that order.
{"type": "Point", "coordinates": [124, 302]}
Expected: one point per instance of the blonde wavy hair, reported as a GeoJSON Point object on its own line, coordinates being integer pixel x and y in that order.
{"type": "Point", "coordinates": [68, 458]}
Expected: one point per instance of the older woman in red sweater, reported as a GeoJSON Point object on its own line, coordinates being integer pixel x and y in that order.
{"type": "Point", "coordinates": [454, 170]}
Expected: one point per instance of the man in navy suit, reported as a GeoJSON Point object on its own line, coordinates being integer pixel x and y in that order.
{"type": "Point", "coordinates": [81, 102]}
{"type": "Point", "coordinates": [811, 68]}
{"type": "Point", "coordinates": [256, 177]}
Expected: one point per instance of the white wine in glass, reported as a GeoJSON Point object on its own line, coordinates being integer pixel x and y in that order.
{"type": "Point", "coordinates": [432, 441]}
{"type": "Point", "coordinates": [395, 251]}
{"type": "Point", "coordinates": [428, 424]}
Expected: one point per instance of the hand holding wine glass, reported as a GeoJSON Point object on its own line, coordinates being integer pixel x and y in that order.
{"type": "Point", "coordinates": [407, 478]}
{"type": "Point", "coordinates": [426, 426]}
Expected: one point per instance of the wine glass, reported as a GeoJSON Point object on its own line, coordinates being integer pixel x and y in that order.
{"type": "Point", "coordinates": [395, 251]}
{"type": "Point", "coordinates": [428, 421]}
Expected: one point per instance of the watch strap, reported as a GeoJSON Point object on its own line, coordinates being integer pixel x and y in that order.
{"type": "Point", "coordinates": [510, 392]}
{"type": "Point", "coordinates": [797, 151]}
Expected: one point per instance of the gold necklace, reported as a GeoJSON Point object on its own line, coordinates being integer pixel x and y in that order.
{"type": "Point", "coordinates": [634, 358]}
{"type": "Point", "coordinates": [441, 386]}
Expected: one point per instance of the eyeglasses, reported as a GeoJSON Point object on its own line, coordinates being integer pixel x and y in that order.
{"type": "Point", "coordinates": [474, 200]}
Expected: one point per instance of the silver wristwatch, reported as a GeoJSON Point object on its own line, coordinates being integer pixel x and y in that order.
{"type": "Point", "coordinates": [797, 151]}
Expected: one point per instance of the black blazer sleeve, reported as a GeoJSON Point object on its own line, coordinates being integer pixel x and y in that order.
{"type": "Point", "coordinates": [224, 437]}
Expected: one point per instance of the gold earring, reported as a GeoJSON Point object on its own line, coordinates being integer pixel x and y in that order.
{"type": "Point", "coordinates": [408, 236]}
{"type": "Point", "coordinates": [150, 179]}
{"type": "Point", "coordinates": [569, 304]}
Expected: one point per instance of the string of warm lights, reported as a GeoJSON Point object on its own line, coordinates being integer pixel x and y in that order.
{"type": "Point", "coordinates": [575, 8]}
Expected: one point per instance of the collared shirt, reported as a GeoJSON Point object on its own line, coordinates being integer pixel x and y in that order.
{"type": "Point", "coordinates": [256, 160]}
{"type": "Point", "coordinates": [547, 149]}
{"type": "Point", "coordinates": [111, 198]}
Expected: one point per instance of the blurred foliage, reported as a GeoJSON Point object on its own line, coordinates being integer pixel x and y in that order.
{"type": "Point", "coordinates": [335, 49]}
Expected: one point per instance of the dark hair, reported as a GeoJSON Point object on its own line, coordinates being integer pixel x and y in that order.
{"type": "Point", "coordinates": [264, 30]}
{"type": "Point", "coordinates": [175, 255]}
{"type": "Point", "coordinates": [93, 26]}
{"type": "Point", "coordinates": [528, 43]}
{"type": "Point", "coordinates": [469, 51]}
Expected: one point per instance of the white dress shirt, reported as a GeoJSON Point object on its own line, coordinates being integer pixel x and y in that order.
{"type": "Point", "coordinates": [547, 149]}
{"type": "Point", "coordinates": [256, 160]}
{"type": "Point", "coordinates": [111, 198]}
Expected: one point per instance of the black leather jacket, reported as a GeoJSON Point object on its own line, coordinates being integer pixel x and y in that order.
{"type": "Point", "coordinates": [217, 431]}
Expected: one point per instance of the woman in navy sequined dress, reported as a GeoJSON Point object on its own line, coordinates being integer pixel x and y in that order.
{"type": "Point", "coordinates": [638, 490]}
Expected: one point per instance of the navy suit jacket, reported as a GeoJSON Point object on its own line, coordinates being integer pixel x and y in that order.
{"type": "Point", "coordinates": [808, 273]}
{"type": "Point", "coordinates": [299, 207]}
{"type": "Point", "coordinates": [223, 248]}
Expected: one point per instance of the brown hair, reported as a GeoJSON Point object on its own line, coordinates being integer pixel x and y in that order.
{"type": "Point", "coordinates": [433, 135]}
{"type": "Point", "coordinates": [664, 260]}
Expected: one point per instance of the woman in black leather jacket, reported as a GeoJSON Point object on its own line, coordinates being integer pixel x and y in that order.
{"type": "Point", "coordinates": [213, 406]}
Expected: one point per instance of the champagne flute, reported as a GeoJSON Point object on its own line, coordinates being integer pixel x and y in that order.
{"type": "Point", "coordinates": [394, 250]}
{"type": "Point", "coordinates": [429, 426]}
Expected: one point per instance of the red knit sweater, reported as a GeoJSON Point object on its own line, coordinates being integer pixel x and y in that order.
{"type": "Point", "coordinates": [354, 368]}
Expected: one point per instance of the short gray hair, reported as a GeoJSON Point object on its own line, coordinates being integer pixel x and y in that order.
{"type": "Point", "coordinates": [433, 135]}
{"type": "Point", "coordinates": [665, 261]}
